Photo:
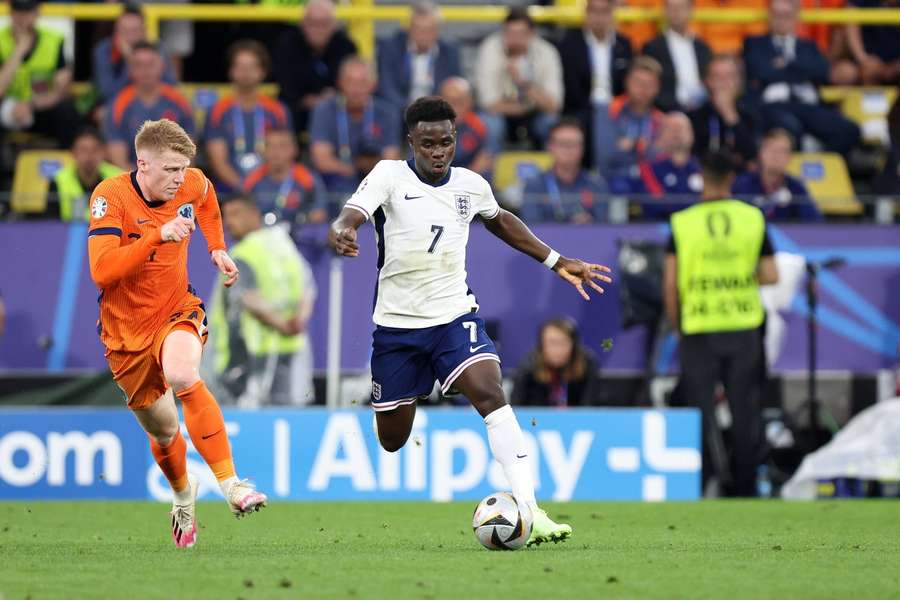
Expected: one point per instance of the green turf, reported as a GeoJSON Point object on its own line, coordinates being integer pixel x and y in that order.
{"type": "Point", "coordinates": [848, 549]}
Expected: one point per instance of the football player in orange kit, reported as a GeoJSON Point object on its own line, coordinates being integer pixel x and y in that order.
{"type": "Point", "coordinates": [151, 321]}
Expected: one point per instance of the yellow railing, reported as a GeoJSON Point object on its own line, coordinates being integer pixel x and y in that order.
{"type": "Point", "coordinates": [360, 15]}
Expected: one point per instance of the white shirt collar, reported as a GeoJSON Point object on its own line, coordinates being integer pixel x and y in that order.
{"type": "Point", "coordinates": [593, 40]}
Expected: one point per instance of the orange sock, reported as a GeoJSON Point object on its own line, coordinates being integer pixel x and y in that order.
{"type": "Point", "coordinates": [172, 461]}
{"type": "Point", "coordinates": [204, 421]}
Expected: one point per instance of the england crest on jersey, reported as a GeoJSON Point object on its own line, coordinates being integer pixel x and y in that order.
{"type": "Point", "coordinates": [463, 206]}
{"type": "Point", "coordinates": [186, 211]}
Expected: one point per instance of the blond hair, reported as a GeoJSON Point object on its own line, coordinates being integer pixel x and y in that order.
{"type": "Point", "coordinates": [163, 135]}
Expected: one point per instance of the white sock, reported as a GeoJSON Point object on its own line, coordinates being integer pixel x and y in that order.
{"type": "Point", "coordinates": [508, 447]}
{"type": "Point", "coordinates": [226, 484]}
{"type": "Point", "coordinates": [184, 496]}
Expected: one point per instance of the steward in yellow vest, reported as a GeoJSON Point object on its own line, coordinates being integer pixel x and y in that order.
{"type": "Point", "coordinates": [72, 186]}
{"type": "Point", "coordinates": [718, 256]}
{"type": "Point", "coordinates": [34, 77]}
{"type": "Point", "coordinates": [258, 326]}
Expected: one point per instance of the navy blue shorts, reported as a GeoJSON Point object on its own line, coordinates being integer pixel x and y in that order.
{"type": "Point", "coordinates": [406, 362]}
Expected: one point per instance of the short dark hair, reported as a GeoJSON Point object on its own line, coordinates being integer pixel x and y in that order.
{"type": "Point", "coordinates": [779, 132]}
{"type": "Point", "coordinates": [88, 131]}
{"type": "Point", "coordinates": [132, 9]}
{"type": "Point", "coordinates": [251, 47]}
{"type": "Point", "coordinates": [718, 166]}
{"type": "Point", "coordinates": [519, 13]}
{"type": "Point", "coordinates": [145, 45]}
{"type": "Point", "coordinates": [428, 109]}
{"type": "Point", "coordinates": [566, 122]}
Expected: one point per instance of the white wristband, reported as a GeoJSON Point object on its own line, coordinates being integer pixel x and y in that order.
{"type": "Point", "coordinates": [551, 259]}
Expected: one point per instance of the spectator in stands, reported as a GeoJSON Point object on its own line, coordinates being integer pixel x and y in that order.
{"type": "Point", "coordinates": [236, 125]}
{"type": "Point", "coordinates": [148, 98]}
{"type": "Point", "coordinates": [874, 51]}
{"type": "Point", "coordinates": [779, 195]}
{"type": "Point", "coordinates": [683, 58]}
{"type": "Point", "coordinates": [73, 185]}
{"type": "Point", "coordinates": [560, 372]}
{"type": "Point", "coordinates": [595, 60]}
{"type": "Point", "coordinates": [352, 131]}
{"type": "Point", "coordinates": [111, 54]}
{"type": "Point", "coordinates": [34, 77]}
{"type": "Point", "coordinates": [673, 178]}
{"type": "Point", "coordinates": [783, 72]}
{"type": "Point", "coordinates": [262, 351]}
{"type": "Point", "coordinates": [518, 77]}
{"type": "Point", "coordinates": [723, 122]}
{"type": "Point", "coordinates": [626, 134]}
{"type": "Point", "coordinates": [415, 63]}
{"type": "Point", "coordinates": [284, 189]}
{"type": "Point", "coordinates": [471, 133]}
{"type": "Point", "coordinates": [566, 192]}
{"type": "Point", "coordinates": [176, 36]}
{"type": "Point", "coordinates": [308, 60]}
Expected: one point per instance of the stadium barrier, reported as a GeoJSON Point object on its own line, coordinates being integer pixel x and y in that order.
{"type": "Point", "coordinates": [360, 15]}
{"type": "Point", "coordinates": [580, 454]}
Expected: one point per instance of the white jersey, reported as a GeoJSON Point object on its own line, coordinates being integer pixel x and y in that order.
{"type": "Point", "coordinates": [422, 230]}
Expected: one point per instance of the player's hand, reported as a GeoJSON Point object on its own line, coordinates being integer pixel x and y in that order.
{"type": "Point", "coordinates": [226, 266]}
{"type": "Point", "coordinates": [344, 242]}
{"type": "Point", "coordinates": [177, 229]}
{"type": "Point", "coordinates": [577, 272]}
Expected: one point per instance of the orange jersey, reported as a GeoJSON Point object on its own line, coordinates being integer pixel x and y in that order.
{"type": "Point", "coordinates": [142, 279]}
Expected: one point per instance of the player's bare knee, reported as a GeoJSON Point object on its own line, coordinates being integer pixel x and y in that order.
{"type": "Point", "coordinates": [487, 398]}
{"type": "Point", "coordinates": [182, 376]}
{"type": "Point", "coordinates": [164, 433]}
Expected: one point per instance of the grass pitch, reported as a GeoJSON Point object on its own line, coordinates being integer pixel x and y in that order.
{"type": "Point", "coordinates": [722, 549]}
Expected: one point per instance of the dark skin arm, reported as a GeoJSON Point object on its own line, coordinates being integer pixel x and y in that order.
{"type": "Point", "coordinates": [505, 226]}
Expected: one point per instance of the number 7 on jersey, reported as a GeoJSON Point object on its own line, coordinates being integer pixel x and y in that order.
{"type": "Point", "coordinates": [438, 230]}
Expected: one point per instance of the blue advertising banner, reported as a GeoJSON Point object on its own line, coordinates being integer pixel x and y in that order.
{"type": "Point", "coordinates": [577, 454]}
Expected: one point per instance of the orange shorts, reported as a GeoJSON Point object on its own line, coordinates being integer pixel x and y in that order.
{"type": "Point", "coordinates": [139, 374]}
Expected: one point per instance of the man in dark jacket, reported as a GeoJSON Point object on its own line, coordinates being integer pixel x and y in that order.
{"type": "Point", "coordinates": [595, 61]}
{"type": "Point", "coordinates": [783, 72]}
{"type": "Point", "coordinates": [415, 63]}
{"type": "Point", "coordinates": [683, 58]}
{"type": "Point", "coordinates": [307, 60]}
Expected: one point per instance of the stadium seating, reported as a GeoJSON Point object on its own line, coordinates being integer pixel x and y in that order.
{"type": "Point", "coordinates": [868, 107]}
{"type": "Point", "coordinates": [34, 170]}
{"type": "Point", "coordinates": [512, 167]}
{"type": "Point", "coordinates": [828, 181]}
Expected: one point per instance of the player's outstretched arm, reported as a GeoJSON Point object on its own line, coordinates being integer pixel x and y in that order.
{"type": "Point", "coordinates": [509, 228]}
{"type": "Point", "coordinates": [342, 233]}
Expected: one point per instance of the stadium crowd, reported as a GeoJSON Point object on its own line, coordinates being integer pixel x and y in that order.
{"type": "Point", "coordinates": [620, 110]}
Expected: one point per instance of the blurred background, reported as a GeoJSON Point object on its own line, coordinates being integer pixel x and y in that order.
{"type": "Point", "coordinates": [588, 118]}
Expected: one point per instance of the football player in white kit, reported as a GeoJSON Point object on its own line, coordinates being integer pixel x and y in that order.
{"type": "Point", "coordinates": [427, 326]}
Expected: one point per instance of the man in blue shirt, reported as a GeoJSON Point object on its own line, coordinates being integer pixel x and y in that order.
{"type": "Point", "coordinates": [671, 181]}
{"type": "Point", "coordinates": [352, 131]}
{"type": "Point", "coordinates": [566, 193]}
{"type": "Point", "coordinates": [147, 99]}
{"type": "Point", "coordinates": [627, 132]}
{"type": "Point", "coordinates": [285, 190]}
{"type": "Point", "coordinates": [780, 196]}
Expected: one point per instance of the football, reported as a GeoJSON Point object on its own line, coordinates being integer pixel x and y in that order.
{"type": "Point", "coordinates": [501, 523]}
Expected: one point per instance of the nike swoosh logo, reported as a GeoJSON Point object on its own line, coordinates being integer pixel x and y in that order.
{"type": "Point", "coordinates": [408, 197]}
{"type": "Point", "coordinates": [206, 437]}
{"type": "Point", "coordinates": [142, 221]}
{"type": "Point", "coordinates": [521, 455]}
{"type": "Point", "coordinates": [476, 348]}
